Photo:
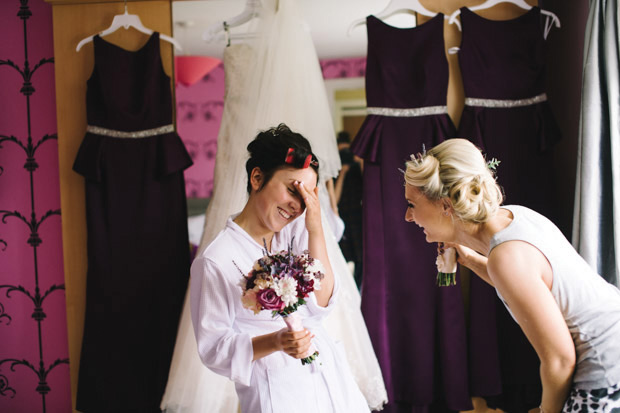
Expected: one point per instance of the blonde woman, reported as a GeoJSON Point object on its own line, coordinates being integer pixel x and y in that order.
{"type": "Point", "coordinates": [570, 314]}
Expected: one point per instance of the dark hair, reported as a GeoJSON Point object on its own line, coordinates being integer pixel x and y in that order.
{"type": "Point", "coordinates": [343, 137]}
{"type": "Point", "coordinates": [269, 151]}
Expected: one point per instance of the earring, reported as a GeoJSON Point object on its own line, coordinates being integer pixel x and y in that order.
{"type": "Point", "coordinates": [446, 213]}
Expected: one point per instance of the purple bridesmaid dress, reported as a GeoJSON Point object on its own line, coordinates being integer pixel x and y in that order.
{"type": "Point", "coordinates": [507, 115]}
{"type": "Point", "coordinates": [417, 329]}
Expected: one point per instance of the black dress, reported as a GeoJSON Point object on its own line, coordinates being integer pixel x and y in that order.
{"type": "Point", "coordinates": [138, 248]}
{"type": "Point", "coordinates": [350, 210]}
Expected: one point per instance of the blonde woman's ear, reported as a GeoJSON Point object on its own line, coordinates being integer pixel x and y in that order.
{"type": "Point", "coordinates": [447, 206]}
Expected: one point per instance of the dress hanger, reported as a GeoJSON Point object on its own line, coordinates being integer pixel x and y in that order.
{"type": "Point", "coordinates": [127, 20]}
{"type": "Point", "coordinates": [393, 7]}
{"type": "Point", "coordinates": [252, 9]}
{"type": "Point", "coordinates": [552, 19]}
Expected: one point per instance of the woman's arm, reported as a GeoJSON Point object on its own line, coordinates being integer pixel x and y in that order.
{"type": "Point", "coordinates": [472, 260]}
{"type": "Point", "coordinates": [517, 269]}
{"type": "Point", "coordinates": [340, 182]}
{"type": "Point", "coordinates": [316, 241]}
{"type": "Point", "coordinates": [333, 201]}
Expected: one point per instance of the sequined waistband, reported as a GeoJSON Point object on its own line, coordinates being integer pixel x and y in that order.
{"type": "Point", "coordinates": [98, 130]}
{"type": "Point", "coordinates": [505, 103]}
{"type": "Point", "coordinates": [407, 112]}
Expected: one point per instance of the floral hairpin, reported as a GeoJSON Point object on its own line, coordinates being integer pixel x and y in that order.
{"type": "Point", "coordinates": [493, 163]}
{"type": "Point", "coordinates": [416, 158]}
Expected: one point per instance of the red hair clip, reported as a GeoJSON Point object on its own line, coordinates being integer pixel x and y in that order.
{"type": "Point", "coordinates": [289, 156]}
{"type": "Point", "coordinates": [307, 161]}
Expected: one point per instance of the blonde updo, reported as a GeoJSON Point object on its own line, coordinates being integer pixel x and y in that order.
{"type": "Point", "coordinates": [455, 169]}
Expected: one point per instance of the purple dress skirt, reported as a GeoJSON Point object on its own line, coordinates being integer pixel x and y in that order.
{"type": "Point", "coordinates": [138, 248]}
{"type": "Point", "coordinates": [417, 329]}
{"type": "Point", "coordinates": [507, 115]}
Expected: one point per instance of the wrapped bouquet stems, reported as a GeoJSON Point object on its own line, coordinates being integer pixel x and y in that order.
{"type": "Point", "coordinates": [293, 322]}
{"type": "Point", "coordinates": [446, 266]}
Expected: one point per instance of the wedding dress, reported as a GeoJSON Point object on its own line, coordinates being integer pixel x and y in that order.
{"type": "Point", "coordinates": [275, 79]}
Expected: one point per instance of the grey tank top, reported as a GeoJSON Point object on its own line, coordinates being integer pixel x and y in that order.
{"type": "Point", "coordinates": [589, 304]}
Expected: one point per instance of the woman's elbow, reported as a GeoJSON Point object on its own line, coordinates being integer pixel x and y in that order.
{"type": "Point", "coordinates": [561, 363]}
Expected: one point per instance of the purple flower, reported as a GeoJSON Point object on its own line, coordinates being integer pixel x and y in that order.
{"type": "Point", "coordinates": [269, 300]}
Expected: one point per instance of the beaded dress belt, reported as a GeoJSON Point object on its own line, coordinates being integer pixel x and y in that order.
{"type": "Point", "coordinates": [505, 103]}
{"type": "Point", "coordinates": [97, 130]}
{"type": "Point", "coordinates": [407, 112]}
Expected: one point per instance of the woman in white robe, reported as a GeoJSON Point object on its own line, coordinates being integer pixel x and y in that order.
{"type": "Point", "coordinates": [275, 78]}
{"type": "Point", "coordinates": [257, 352]}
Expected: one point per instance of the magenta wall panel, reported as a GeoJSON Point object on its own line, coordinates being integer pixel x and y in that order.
{"type": "Point", "coordinates": [34, 370]}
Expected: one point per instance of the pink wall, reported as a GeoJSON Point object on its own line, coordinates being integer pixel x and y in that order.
{"type": "Point", "coordinates": [199, 113]}
{"type": "Point", "coordinates": [19, 266]}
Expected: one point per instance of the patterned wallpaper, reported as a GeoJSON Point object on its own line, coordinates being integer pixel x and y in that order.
{"type": "Point", "coordinates": [34, 364]}
{"type": "Point", "coordinates": [199, 113]}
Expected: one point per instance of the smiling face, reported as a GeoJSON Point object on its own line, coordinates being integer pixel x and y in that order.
{"type": "Point", "coordinates": [429, 215]}
{"type": "Point", "coordinates": [278, 202]}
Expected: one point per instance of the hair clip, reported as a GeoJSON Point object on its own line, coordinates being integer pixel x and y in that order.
{"type": "Point", "coordinates": [289, 156]}
{"type": "Point", "coordinates": [307, 161]}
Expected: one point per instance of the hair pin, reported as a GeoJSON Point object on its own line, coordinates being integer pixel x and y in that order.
{"type": "Point", "coordinates": [289, 156]}
{"type": "Point", "coordinates": [307, 161]}
{"type": "Point", "coordinates": [493, 163]}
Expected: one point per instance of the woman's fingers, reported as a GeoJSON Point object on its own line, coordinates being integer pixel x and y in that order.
{"type": "Point", "coordinates": [297, 343]}
{"type": "Point", "coordinates": [305, 193]}
{"type": "Point", "coordinates": [312, 206]}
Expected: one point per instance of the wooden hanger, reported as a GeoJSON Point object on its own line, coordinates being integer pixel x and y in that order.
{"type": "Point", "coordinates": [552, 19]}
{"type": "Point", "coordinates": [126, 21]}
{"type": "Point", "coordinates": [394, 7]}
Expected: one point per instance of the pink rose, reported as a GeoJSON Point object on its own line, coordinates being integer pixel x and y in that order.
{"type": "Point", "coordinates": [248, 299]}
{"type": "Point", "coordinates": [269, 300]}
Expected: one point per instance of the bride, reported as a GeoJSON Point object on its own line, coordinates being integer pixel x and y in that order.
{"type": "Point", "coordinates": [274, 79]}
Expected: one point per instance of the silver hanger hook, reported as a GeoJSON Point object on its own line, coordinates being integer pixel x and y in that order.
{"type": "Point", "coordinates": [227, 34]}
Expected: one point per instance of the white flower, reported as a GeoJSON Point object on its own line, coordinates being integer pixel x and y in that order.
{"type": "Point", "coordinates": [446, 262]}
{"type": "Point", "coordinates": [286, 288]}
{"type": "Point", "coordinates": [316, 266]}
{"type": "Point", "coordinates": [317, 284]}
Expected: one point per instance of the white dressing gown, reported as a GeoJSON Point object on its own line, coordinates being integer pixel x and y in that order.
{"type": "Point", "coordinates": [224, 331]}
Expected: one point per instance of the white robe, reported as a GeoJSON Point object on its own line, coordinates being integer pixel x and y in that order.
{"type": "Point", "coordinates": [224, 331]}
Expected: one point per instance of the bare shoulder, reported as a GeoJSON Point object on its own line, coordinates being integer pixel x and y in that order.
{"type": "Point", "coordinates": [517, 257]}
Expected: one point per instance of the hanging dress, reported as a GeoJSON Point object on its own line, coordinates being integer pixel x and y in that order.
{"type": "Point", "coordinates": [138, 249]}
{"type": "Point", "coordinates": [262, 92]}
{"type": "Point", "coordinates": [417, 328]}
{"type": "Point", "coordinates": [507, 115]}
{"type": "Point", "coordinates": [192, 387]}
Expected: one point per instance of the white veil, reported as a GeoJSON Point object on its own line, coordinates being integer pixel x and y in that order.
{"type": "Point", "coordinates": [283, 84]}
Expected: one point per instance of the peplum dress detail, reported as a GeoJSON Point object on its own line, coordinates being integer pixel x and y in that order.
{"type": "Point", "coordinates": [417, 329]}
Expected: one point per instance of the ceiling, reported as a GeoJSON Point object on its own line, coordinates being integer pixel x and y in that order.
{"type": "Point", "coordinates": [328, 21]}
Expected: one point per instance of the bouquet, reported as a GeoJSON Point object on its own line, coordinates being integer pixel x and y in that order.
{"type": "Point", "coordinates": [281, 282]}
{"type": "Point", "coordinates": [446, 266]}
